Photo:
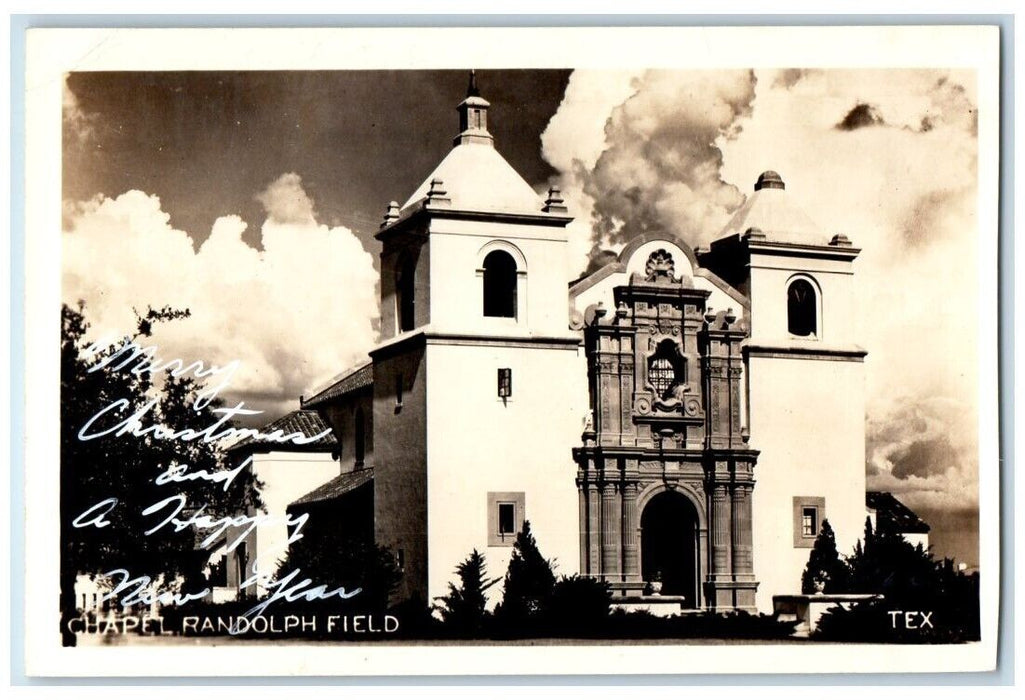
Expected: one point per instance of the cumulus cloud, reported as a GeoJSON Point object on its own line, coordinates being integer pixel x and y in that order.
{"type": "Point", "coordinates": [661, 168]}
{"type": "Point", "coordinates": [295, 313]}
{"type": "Point", "coordinates": [286, 202]}
{"type": "Point", "coordinates": [574, 140]}
{"type": "Point", "coordinates": [888, 158]}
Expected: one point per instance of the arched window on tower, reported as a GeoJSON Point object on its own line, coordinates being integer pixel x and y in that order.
{"type": "Point", "coordinates": [405, 292]}
{"type": "Point", "coordinates": [360, 437]}
{"type": "Point", "coordinates": [499, 284]}
{"type": "Point", "coordinates": [802, 309]}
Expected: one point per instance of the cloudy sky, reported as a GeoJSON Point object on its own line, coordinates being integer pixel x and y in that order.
{"type": "Point", "coordinates": [252, 199]}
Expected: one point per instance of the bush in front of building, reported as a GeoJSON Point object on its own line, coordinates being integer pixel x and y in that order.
{"type": "Point", "coordinates": [335, 560]}
{"type": "Point", "coordinates": [923, 600]}
{"type": "Point", "coordinates": [529, 583]}
{"type": "Point", "coordinates": [579, 606]}
{"type": "Point", "coordinates": [826, 571]}
{"type": "Point", "coordinates": [464, 610]}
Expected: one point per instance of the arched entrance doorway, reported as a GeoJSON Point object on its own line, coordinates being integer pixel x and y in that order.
{"type": "Point", "coordinates": [669, 545]}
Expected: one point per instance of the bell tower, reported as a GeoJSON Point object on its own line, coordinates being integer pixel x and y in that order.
{"type": "Point", "coordinates": [476, 335]}
{"type": "Point", "coordinates": [801, 281]}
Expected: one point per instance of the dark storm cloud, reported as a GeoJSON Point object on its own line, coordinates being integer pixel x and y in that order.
{"type": "Point", "coordinates": [860, 116]}
{"type": "Point", "coordinates": [924, 458]}
{"type": "Point", "coordinates": [206, 142]}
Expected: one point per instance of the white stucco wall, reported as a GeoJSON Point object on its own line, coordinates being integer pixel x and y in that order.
{"type": "Point", "coordinates": [836, 302]}
{"type": "Point", "coordinates": [807, 415]}
{"type": "Point", "coordinates": [478, 444]}
{"type": "Point", "coordinates": [916, 539]}
{"type": "Point", "coordinates": [286, 476]}
{"type": "Point", "coordinates": [456, 297]}
{"type": "Point", "coordinates": [808, 421]}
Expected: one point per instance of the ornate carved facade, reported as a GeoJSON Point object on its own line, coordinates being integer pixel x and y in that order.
{"type": "Point", "coordinates": [665, 476]}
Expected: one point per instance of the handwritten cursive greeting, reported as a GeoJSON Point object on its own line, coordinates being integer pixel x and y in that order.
{"type": "Point", "coordinates": [175, 512]}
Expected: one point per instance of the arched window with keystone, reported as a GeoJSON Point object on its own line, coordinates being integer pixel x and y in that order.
{"type": "Point", "coordinates": [802, 309]}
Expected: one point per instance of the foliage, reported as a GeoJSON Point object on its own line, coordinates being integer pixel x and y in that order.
{"type": "Point", "coordinates": [464, 609]}
{"type": "Point", "coordinates": [579, 605]}
{"type": "Point", "coordinates": [825, 564]}
{"type": "Point", "coordinates": [909, 579]}
{"type": "Point", "coordinates": [125, 467]}
{"type": "Point", "coordinates": [528, 583]}
{"type": "Point", "coordinates": [334, 559]}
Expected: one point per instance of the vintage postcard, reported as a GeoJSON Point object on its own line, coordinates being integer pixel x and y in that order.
{"type": "Point", "coordinates": [511, 351]}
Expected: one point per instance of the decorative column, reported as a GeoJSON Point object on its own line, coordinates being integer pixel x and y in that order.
{"type": "Point", "coordinates": [742, 560]}
{"type": "Point", "coordinates": [593, 529]}
{"type": "Point", "coordinates": [720, 584]}
{"type": "Point", "coordinates": [626, 389]}
{"type": "Point", "coordinates": [631, 566]}
{"type": "Point", "coordinates": [608, 414]}
{"type": "Point", "coordinates": [584, 519]}
{"type": "Point", "coordinates": [744, 585]}
{"type": "Point", "coordinates": [610, 531]}
{"type": "Point", "coordinates": [720, 531]}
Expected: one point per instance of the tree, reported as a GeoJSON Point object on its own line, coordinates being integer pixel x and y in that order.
{"type": "Point", "coordinates": [825, 565]}
{"type": "Point", "coordinates": [107, 481]}
{"type": "Point", "coordinates": [464, 608]}
{"type": "Point", "coordinates": [889, 564]}
{"type": "Point", "coordinates": [908, 578]}
{"type": "Point", "coordinates": [334, 558]}
{"type": "Point", "coordinates": [528, 583]}
{"type": "Point", "coordinates": [580, 605]}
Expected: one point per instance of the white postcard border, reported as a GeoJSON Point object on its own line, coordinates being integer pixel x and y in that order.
{"type": "Point", "coordinates": [52, 52]}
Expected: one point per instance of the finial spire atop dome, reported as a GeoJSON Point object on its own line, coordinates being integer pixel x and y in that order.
{"type": "Point", "coordinates": [473, 117]}
{"type": "Point", "coordinates": [770, 180]}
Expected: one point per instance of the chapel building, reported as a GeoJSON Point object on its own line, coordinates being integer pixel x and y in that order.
{"type": "Point", "coordinates": [676, 421]}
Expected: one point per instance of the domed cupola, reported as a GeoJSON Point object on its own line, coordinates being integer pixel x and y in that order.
{"type": "Point", "coordinates": [774, 214]}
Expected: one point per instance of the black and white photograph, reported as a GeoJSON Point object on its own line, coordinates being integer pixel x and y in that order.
{"type": "Point", "coordinates": [691, 349]}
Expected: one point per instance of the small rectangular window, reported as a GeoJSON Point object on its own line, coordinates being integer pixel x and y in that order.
{"type": "Point", "coordinates": [398, 390]}
{"type": "Point", "coordinates": [504, 382]}
{"type": "Point", "coordinates": [809, 522]}
{"type": "Point", "coordinates": [400, 559]}
{"type": "Point", "coordinates": [809, 514]}
{"type": "Point", "coordinates": [506, 519]}
{"type": "Point", "coordinates": [506, 511]}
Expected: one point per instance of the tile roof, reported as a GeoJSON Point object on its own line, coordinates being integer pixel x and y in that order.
{"type": "Point", "coordinates": [338, 486]}
{"type": "Point", "coordinates": [308, 423]}
{"type": "Point", "coordinates": [352, 380]}
{"type": "Point", "coordinates": [889, 510]}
